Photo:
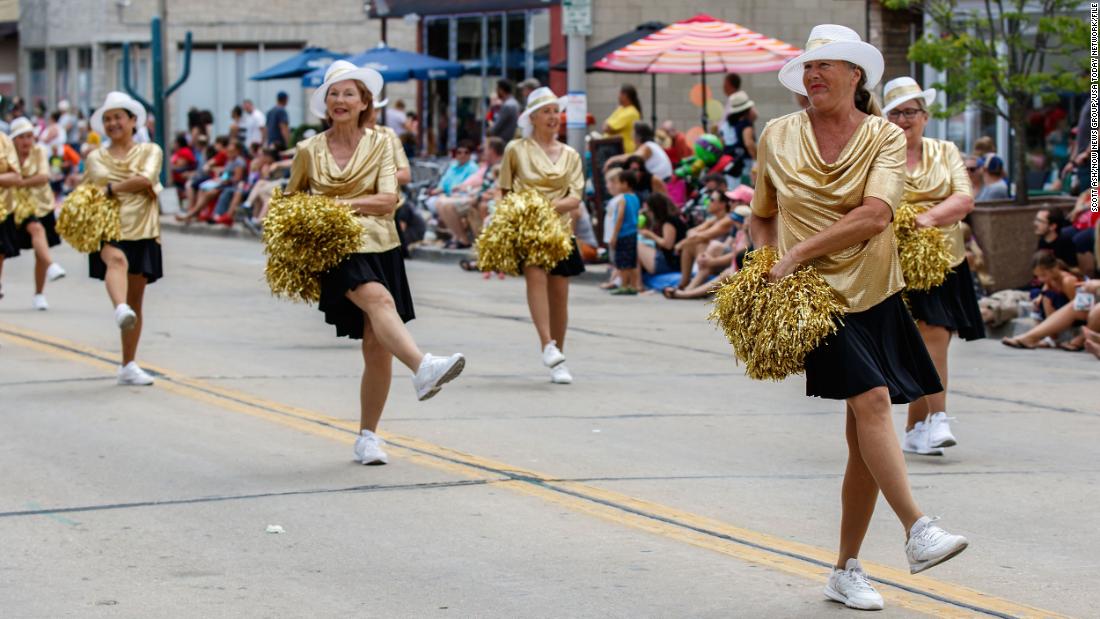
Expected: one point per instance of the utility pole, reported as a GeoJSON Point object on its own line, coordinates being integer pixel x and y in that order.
{"type": "Point", "coordinates": [577, 24]}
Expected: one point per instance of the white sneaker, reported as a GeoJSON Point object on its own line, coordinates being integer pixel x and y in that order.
{"type": "Point", "coordinates": [851, 587]}
{"type": "Point", "coordinates": [54, 272]}
{"type": "Point", "coordinates": [939, 433]}
{"type": "Point", "coordinates": [551, 356]}
{"type": "Point", "coordinates": [132, 374]}
{"type": "Point", "coordinates": [39, 303]}
{"type": "Point", "coordinates": [929, 545]}
{"type": "Point", "coordinates": [434, 372]}
{"type": "Point", "coordinates": [125, 317]}
{"type": "Point", "coordinates": [559, 375]}
{"type": "Point", "coordinates": [368, 448]}
{"type": "Point", "coordinates": [916, 441]}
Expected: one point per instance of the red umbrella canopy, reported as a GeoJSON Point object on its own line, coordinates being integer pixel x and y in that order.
{"type": "Point", "coordinates": [701, 44]}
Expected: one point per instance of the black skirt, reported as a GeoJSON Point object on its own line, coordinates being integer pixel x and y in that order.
{"type": "Point", "coordinates": [573, 264]}
{"type": "Point", "coordinates": [952, 305]}
{"type": "Point", "coordinates": [879, 347]}
{"type": "Point", "coordinates": [142, 255]}
{"type": "Point", "coordinates": [386, 268]}
{"type": "Point", "coordinates": [49, 222]}
{"type": "Point", "coordinates": [9, 237]}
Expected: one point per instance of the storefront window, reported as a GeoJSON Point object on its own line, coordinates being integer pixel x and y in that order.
{"type": "Point", "coordinates": [38, 81]}
{"type": "Point", "coordinates": [61, 75]}
{"type": "Point", "coordinates": [84, 79]}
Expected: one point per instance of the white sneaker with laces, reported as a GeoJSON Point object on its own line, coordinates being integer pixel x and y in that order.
{"type": "Point", "coordinates": [559, 375]}
{"type": "Point", "coordinates": [132, 374]}
{"type": "Point", "coordinates": [916, 441]}
{"type": "Point", "coordinates": [551, 355]}
{"type": "Point", "coordinates": [939, 433]}
{"type": "Point", "coordinates": [54, 272]}
{"type": "Point", "coordinates": [125, 317]}
{"type": "Point", "coordinates": [368, 448]}
{"type": "Point", "coordinates": [851, 587]}
{"type": "Point", "coordinates": [40, 303]}
{"type": "Point", "coordinates": [434, 372]}
{"type": "Point", "coordinates": [929, 545]}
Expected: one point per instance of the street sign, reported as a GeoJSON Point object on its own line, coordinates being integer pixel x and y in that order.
{"type": "Point", "coordinates": [577, 17]}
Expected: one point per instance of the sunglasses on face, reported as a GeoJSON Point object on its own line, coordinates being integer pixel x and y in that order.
{"type": "Point", "coordinates": [908, 114]}
{"type": "Point", "coordinates": [972, 169]}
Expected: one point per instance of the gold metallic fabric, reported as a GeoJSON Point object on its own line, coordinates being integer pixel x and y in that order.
{"type": "Point", "coordinates": [139, 212]}
{"type": "Point", "coordinates": [941, 174]}
{"type": "Point", "coordinates": [808, 195]}
{"type": "Point", "coordinates": [371, 170]}
{"type": "Point", "coordinates": [526, 166]}
{"type": "Point", "coordinates": [38, 162]}
{"type": "Point", "coordinates": [8, 162]}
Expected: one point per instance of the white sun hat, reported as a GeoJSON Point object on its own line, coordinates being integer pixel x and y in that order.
{"type": "Point", "coordinates": [540, 97]}
{"type": "Point", "coordinates": [339, 71]}
{"type": "Point", "coordinates": [117, 101]}
{"type": "Point", "coordinates": [833, 42]}
{"type": "Point", "coordinates": [902, 89]}
{"type": "Point", "coordinates": [19, 126]}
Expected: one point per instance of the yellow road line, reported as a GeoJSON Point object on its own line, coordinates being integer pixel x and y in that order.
{"type": "Point", "coordinates": [918, 593]}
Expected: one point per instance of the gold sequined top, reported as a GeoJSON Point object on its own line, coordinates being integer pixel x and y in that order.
{"type": "Point", "coordinates": [8, 162]}
{"type": "Point", "coordinates": [809, 195]}
{"type": "Point", "coordinates": [526, 166]}
{"type": "Point", "coordinates": [940, 174]}
{"type": "Point", "coordinates": [371, 170]}
{"type": "Point", "coordinates": [139, 211]}
{"type": "Point", "coordinates": [38, 162]}
{"type": "Point", "coordinates": [400, 159]}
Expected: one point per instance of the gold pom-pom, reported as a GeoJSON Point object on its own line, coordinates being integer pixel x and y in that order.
{"type": "Point", "coordinates": [524, 230]}
{"type": "Point", "coordinates": [22, 205]}
{"type": "Point", "coordinates": [773, 326]}
{"type": "Point", "coordinates": [88, 218]}
{"type": "Point", "coordinates": [304, 236]}
{"type": "Point", "coordinates": [925, 260]}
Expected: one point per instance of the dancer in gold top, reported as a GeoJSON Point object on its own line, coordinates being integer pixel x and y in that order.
{"type": "Point", "coordinates": [935, 179]}
{"type": "Point", "coordinates": [830, 179]}
{"type": "Point", "coordinates": [367, 295]}
{"type": "Point", "coordinates": [539, 161]}
{"type": "Point", "coordinates": [9, 240]}
{"type": "Point", "coordinates": [38, 230]}
{"type": "Point", "coordinates": [129, 172]}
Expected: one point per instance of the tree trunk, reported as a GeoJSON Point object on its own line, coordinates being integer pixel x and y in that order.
{"type": "Point", "coordinates": [1017, 113]}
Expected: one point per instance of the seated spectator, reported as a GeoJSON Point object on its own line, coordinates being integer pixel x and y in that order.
{"type": "Point", "coordinates": [1048, 227]}
{"type": "Point", "coordinates": [215, 159]}
{"type": "Point", "coordinates": [665, 229]}
{"type": "Point", "coordinates": [984, 147]}
{"type": "Point", "coordinates": [461, 168]}
{"type": "Point", "coordinates": [994, 185]}
{"type": "Point", "coordinates": [234, 183]}
{"type": "Point", "coordinates": [1082, 231]}
{"type": "Point", "coordinates": [655, 159]}
{"type": "Point", "coordinates": [208, 197]}
{"type": "Point", "coordinates": [678, 147]}
{"type": "Point", "coordinates": [273, 175]}
{"type": "Point", "coordinates": [974, 171]}
{"type": "Point", "coordinates": [1063, 319]}
{"type": "Point", "coordinates": [183, 163]}
{"type": "Point", "coordinates": [722, 257]}
{"type": "Point", "coordinates": [696, 211]}
{"type": "Point", "coordinates": [1056, 284]}
{"type": "Point", "coordinates": [461, 211]}
{"type": "Point", "coordinates": [647, 182]}
{"type": "Point", "coordinates": [699, 238]}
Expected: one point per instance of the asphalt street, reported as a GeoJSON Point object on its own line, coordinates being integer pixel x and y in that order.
{"type": "Point", "coordinates": [662, 483]}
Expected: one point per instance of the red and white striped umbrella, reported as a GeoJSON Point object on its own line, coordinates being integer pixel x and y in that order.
{"type": "Point", "coordinates": [701, 44]}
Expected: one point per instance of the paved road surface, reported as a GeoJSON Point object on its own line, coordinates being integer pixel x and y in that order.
{"type": "Point", "coordinates": [663, 483]}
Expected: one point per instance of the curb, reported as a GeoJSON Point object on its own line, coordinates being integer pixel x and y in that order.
{"type": "Point", "coordinates": [424, 253]}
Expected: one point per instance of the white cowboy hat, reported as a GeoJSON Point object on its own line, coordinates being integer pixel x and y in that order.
{"type": "Point", "coordinates": [902, 89]}
{"type": "Point", "coordinates": [381, 104]}
{"type": "Point", "coordinates": [539, 97]}
{"type": "Point", "coordinates": [19, 126]}
{"type": "Point", "coordinates": [832, 42]}
{"type": "Point", "coordinates": [117, 101]}
{"type": "Point", "coordinates": [339, 71]}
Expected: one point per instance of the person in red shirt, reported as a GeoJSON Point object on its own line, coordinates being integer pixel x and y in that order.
{"type": "Point", "coordinates": [183, 162]}
{"type": "Point", "coordinates": [679, 148]}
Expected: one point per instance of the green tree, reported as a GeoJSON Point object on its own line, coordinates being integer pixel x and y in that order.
{"type": "Point", "coordinates": [1018, 50]}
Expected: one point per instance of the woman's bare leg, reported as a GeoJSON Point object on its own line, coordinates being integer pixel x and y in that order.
{"type": "Point", "coordinates": [117, 276]}
{"type": "Point", "coordinates": [41, 255]}
{"type": "Point", "coordinates": [374, 388]}
{"type": "Point", "coordinates": [538, 302]}
{"type": "Point", "coordinates": [135, 296]}
{"type": "Point", "coordinates": [858, 495]}
{"type": "Point", "coordinates": [878, 445]}
{"type": "Point", "coordinates": [936, 340]}
{"type": "Point", "coordinates": [558, 287]}
{"type": "Point", "coordinates": [389, 330]}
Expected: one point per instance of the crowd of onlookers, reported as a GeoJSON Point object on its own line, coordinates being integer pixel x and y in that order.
{"type": "Point", "coordinates": [674, 213]}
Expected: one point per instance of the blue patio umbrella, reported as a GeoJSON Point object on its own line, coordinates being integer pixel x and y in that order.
{"type": "Point", "coordinates": [309, 59]}
{"type": "Point", "coordinates": [395, 65]}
